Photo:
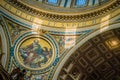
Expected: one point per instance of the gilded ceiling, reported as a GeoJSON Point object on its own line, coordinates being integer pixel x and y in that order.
{"type": "Point", "coordinates": [62, 39]}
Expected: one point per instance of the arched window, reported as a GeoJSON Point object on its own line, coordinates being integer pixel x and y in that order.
{"type": "Point", "coordinates": [80, 3]}
{"type": "Point", "coordinates": [52, 1]}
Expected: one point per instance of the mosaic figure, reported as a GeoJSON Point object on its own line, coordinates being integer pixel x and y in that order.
{"type": "Point", "coordinates": [34, 55]}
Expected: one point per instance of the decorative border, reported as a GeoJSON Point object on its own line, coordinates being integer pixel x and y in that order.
{"type": "Point", "coordinates": [54, 45]}
{"type": "Point", "coordinates": [62, 16]}
{"type": "Point", "coordinates": [20, 14]}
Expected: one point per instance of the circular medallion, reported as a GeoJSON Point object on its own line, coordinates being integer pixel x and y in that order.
{"type": "Point", "coordinates": [35, 53]}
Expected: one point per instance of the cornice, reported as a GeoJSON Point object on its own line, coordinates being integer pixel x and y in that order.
{"type": "Point", "coordinates": [24, 16]}
{"type": "Point", "coordinates": [66, 17]}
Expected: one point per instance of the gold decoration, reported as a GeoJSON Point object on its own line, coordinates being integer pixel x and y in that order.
{"type": "Point", "coordinates": [63, 17]}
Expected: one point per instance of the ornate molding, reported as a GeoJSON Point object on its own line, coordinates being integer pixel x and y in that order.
{"type": "Point", "coordinates": [45, 6]}
{"type": "Point", "coordinates": [64, 17]}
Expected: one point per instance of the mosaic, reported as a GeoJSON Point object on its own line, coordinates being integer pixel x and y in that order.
{"type": "Point", "coordinates": [35, 53]}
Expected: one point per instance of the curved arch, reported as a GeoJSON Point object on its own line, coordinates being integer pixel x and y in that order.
{"type": "Point", "coordinates": [80, 44]}
{"type": "Point", "coordinates": [4, 47]}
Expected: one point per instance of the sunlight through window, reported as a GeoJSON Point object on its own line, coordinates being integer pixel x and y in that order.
{"type": "Point", "coordinates": [80, 2]}
{"type": "Point", "coordinates": [104, 22]}
{"type": "Point", "coordinates": [53, 1]}
{"type": "Point", "coordinates": [70, 40]}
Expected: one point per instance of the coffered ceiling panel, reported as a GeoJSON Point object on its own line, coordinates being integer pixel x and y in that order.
{"type": "Point", "coordinates": [97, 59]}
